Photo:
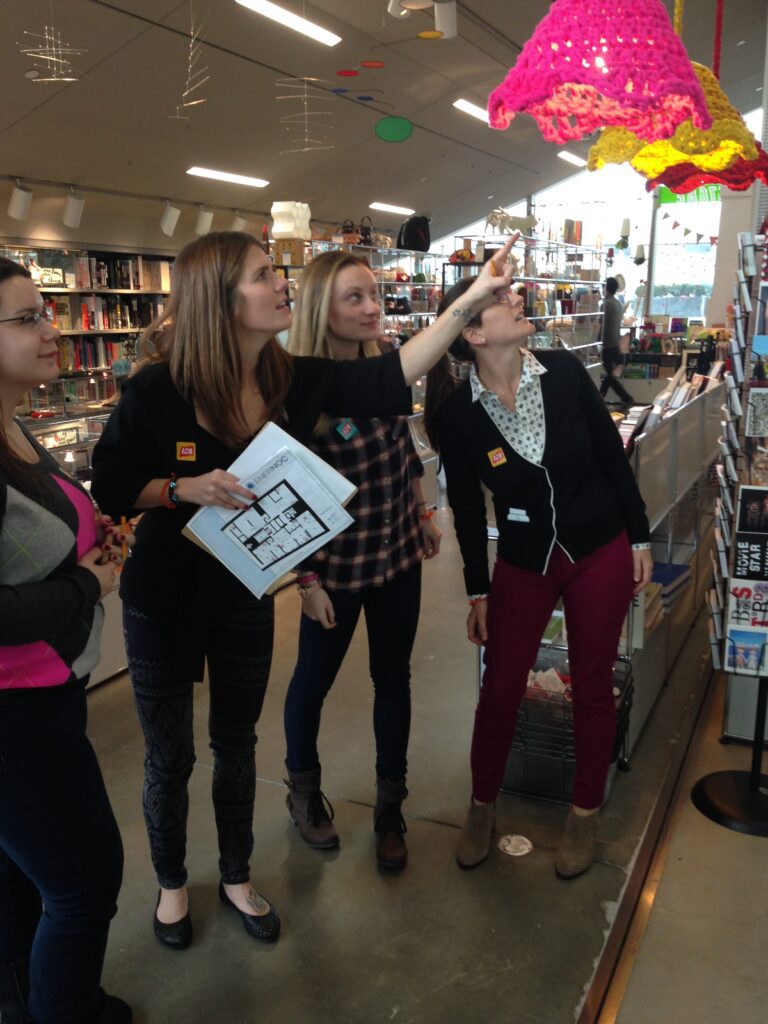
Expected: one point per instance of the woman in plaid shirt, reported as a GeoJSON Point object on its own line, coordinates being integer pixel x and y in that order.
{"type": "Point", "coordinates": [374, 566]}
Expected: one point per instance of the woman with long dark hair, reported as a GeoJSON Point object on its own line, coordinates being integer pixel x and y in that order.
{"type": "Point", "coordinates": [216, 376]}
{"type": "Point", "coordinates": [61, 858]}
{"type": "Point", "coordinates": [532, 428]}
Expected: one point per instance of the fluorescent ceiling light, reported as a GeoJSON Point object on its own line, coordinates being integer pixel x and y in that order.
{"type": "Point", "coordinates": [472, 108]}
{"type": "Point", "coordinates": [234, 179]}
{"type": "Point", "coordinates": [289, 20]}
{"type": "Point", "coordinates": [571, 158]}
{"type": "Point", "coordinates": [387, 208]}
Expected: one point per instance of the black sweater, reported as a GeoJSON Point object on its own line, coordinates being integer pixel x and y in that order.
{"type": "Point", "coordinates": [581, 496]}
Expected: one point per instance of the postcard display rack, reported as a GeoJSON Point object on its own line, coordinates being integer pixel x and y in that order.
{"type": "Point", "coordinates": [563, 284]}
{"type": "Point", "coordinates": [408, 288]}
{"type": "Point", "coordinates": [738, 597]}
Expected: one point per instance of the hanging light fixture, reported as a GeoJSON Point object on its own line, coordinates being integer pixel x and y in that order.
{"type": "Point", "coordinates": [593, 63]}
{"type": "Point", "coordinates": [445, 18]}
{"type": "Point", "coordinates": [727, 140]}
{"type": "Point", "coordinates": [169, 219]}
{"type": "Point", "coordinates": [684, 178]}
{"type": "Point", "coordinates": [239, 223]}
{"type": "Point", "coordinates": [73, 209]}
{"type": "Point", "coordinates": [19, 203]}
{"type": "Point", "coordinates": [204, 221]}
{"type": "Point", "coordinates": [396, 10]}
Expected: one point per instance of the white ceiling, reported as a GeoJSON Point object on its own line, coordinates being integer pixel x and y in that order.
{"type": "Point", "coordinates": [112, 129]}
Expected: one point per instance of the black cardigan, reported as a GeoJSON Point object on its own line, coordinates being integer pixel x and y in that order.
{"type": "Point", "coordinates": [153, 432]}
{"type": "Point", "coordinates": [581, 496]}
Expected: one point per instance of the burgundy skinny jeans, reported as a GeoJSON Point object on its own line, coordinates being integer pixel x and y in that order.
{"type": "Point", "coordinates": [596, 592]}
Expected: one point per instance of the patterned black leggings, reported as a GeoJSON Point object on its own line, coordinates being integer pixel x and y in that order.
{"type": "Point", "coordinates": [239, 654]}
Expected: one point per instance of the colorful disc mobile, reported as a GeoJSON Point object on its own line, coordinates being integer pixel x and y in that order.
{"type": "Point", "coordinates": [393, 129]}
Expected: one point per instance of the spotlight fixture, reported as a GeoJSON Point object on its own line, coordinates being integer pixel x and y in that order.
{"type": "Point", "coordinates": [204, 221]}
{"type": "Point", "coordinates": [445, 18]}
{"type": "Point", "coordinates": [239, 223]}
{"type": "Point", "coordinates": [415, 5]}
{"type": "Point", "coordinates": [396, 10]}
{"type": "Point", "coordinates": [289, 20]}
{"type": "Point", "coordinates": [169, 219]}
{"type": "Point", "coordinates": [18, 205]}
{"type": "Point", "coordinates": [73, 209]}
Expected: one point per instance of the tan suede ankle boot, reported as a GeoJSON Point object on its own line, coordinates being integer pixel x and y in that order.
{"type": "Point", "coordinates": [577, 846]}
{"type": "Point", "coordinates": [475, 839]}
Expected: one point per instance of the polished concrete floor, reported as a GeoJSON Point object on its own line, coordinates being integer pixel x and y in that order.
{"type": "Point", "coordinates": [507, 942]}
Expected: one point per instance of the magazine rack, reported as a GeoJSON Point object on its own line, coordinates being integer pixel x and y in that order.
{"type": "Point", "coordinates": [739, 800]}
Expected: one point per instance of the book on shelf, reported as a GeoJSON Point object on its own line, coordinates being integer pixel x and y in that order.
{"type": "Point", "coordinates": [298, 506]}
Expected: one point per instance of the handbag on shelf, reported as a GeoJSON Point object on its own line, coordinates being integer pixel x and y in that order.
{"type": "Point", "coordinates": [366, 230]}
{"type": "Point", "coordinates": [349, 233]}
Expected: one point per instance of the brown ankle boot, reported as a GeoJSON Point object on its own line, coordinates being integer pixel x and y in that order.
{"type": "Point", "coordinates": [475, 839]}
{"type": "Point", "coordinates": [310, 811]}
{"type": "Point", "coordinates": [577, 846]}
{"type": "Point", "coordinates": [388, 824]}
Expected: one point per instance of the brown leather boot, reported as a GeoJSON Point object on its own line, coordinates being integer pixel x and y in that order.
{"type": "Point", "coordinates": [388, 823]}
{"type": "Point", "coordinates": [310, 811]}
{"type": "Point", "coordinates": [577, 846]}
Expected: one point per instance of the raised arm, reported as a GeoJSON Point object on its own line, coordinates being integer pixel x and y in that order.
{"type": "Point", "coordinates": [425, 348]}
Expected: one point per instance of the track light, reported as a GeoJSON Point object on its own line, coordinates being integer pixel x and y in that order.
{"type": "Point", "coordinates": [73, 209]}
{"type": "Point", "coordinates": [204, 221]}
{"type": "Point", "coordinates": [445, 19]}
{"type": "Point", "coordinates": [18, 204]}
{"type": "Point", "coordinates": [239, 223]}
{"type": "Point", "coordinates": [169, 219]}
{"type": "Point", "coordinates": [415, 5]}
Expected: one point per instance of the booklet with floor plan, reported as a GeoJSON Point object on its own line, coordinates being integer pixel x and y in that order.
{"type": "Point", "coordinates": [298, 506]}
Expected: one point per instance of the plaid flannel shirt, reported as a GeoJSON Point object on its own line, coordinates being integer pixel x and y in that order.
{"type": "Point", "coordinates": [385, 538]}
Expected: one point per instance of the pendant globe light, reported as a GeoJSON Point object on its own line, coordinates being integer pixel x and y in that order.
{"type": "Point", "coordinates": [727, 140]}
{"type": "Point", "coordinates": [592, 63]}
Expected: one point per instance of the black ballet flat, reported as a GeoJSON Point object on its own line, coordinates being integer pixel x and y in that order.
{"type": "Point", "coordinates": [265, 926]}
{"type": "Point", "coordinates": [175, 936]}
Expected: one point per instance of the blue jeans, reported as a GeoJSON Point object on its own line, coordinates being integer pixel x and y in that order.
{"type": "Point", "coordinates": [391, 616]}
{"type": "Point", "coordinates": [59, 846]}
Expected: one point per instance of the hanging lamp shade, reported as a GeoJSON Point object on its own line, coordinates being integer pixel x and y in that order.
{"type": "Point", "coordinates": [684, 178]}
{"type": "Point", "coordinates": [711, 150]}
{"type": "Point", "coordinates": [593, 63]}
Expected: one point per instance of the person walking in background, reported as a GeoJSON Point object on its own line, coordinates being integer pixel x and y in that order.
{"type": "Point", "coordinates": [374, 566]}
{"type": "Point", "coordinates": [613, 359]}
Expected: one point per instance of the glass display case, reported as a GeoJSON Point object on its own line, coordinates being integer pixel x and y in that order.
{"type": "Point", "coordinates": [71, 441]}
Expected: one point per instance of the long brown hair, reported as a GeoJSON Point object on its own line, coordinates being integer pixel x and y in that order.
{"type": "Point", "coordinates": [195, 335]}
{"type": "Point", "coordinates": [309, 325]}
{"type": "Point", "coordinates": [14, 469]}
{"type": "Point", "coordinates": [442, 381]}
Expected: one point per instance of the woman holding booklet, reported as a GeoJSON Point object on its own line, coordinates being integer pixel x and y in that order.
{"type": "Point", "coordinates": [216, 375]}
{"type": "Point", "coordinates": [374, 566]}
{"type": "Point", "coordinates": [533, 429]}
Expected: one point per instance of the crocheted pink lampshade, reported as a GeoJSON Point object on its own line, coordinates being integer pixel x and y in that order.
{"type": "Point", "coordinates": [593, 63]}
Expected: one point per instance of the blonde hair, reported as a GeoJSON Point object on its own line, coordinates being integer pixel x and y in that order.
{"type": "Point", "coordinates": [309, 325]}
{"type": "Point", "coordinates": [195, 336]}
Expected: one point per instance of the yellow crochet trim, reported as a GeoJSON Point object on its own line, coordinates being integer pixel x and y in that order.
{"type": "Point", "coordinates": [713, 150]}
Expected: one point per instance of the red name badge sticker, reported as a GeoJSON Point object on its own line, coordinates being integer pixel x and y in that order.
{"type": "Point", "coordinates": [186, 451]}
{"type": "Point", "coordinates": [497, 457]}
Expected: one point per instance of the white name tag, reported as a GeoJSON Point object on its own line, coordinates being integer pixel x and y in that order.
{"type": "Point", "coordinates": [518, 515]}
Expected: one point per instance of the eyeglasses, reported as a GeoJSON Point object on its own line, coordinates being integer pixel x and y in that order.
{"type": "Point", "coordinates": [30, 320]}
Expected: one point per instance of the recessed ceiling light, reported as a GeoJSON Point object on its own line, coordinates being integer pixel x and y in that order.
{"type": "Point", "coordinates": [234, 179]}
{"type": "Point", "coordinates": [387, 208]}
{"type": "Point", "coordinates": [472, 108]}
{"type": "Point", "coordinates": [571, 158]}
{"type": "Point", "coordinates": [289, 20]}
